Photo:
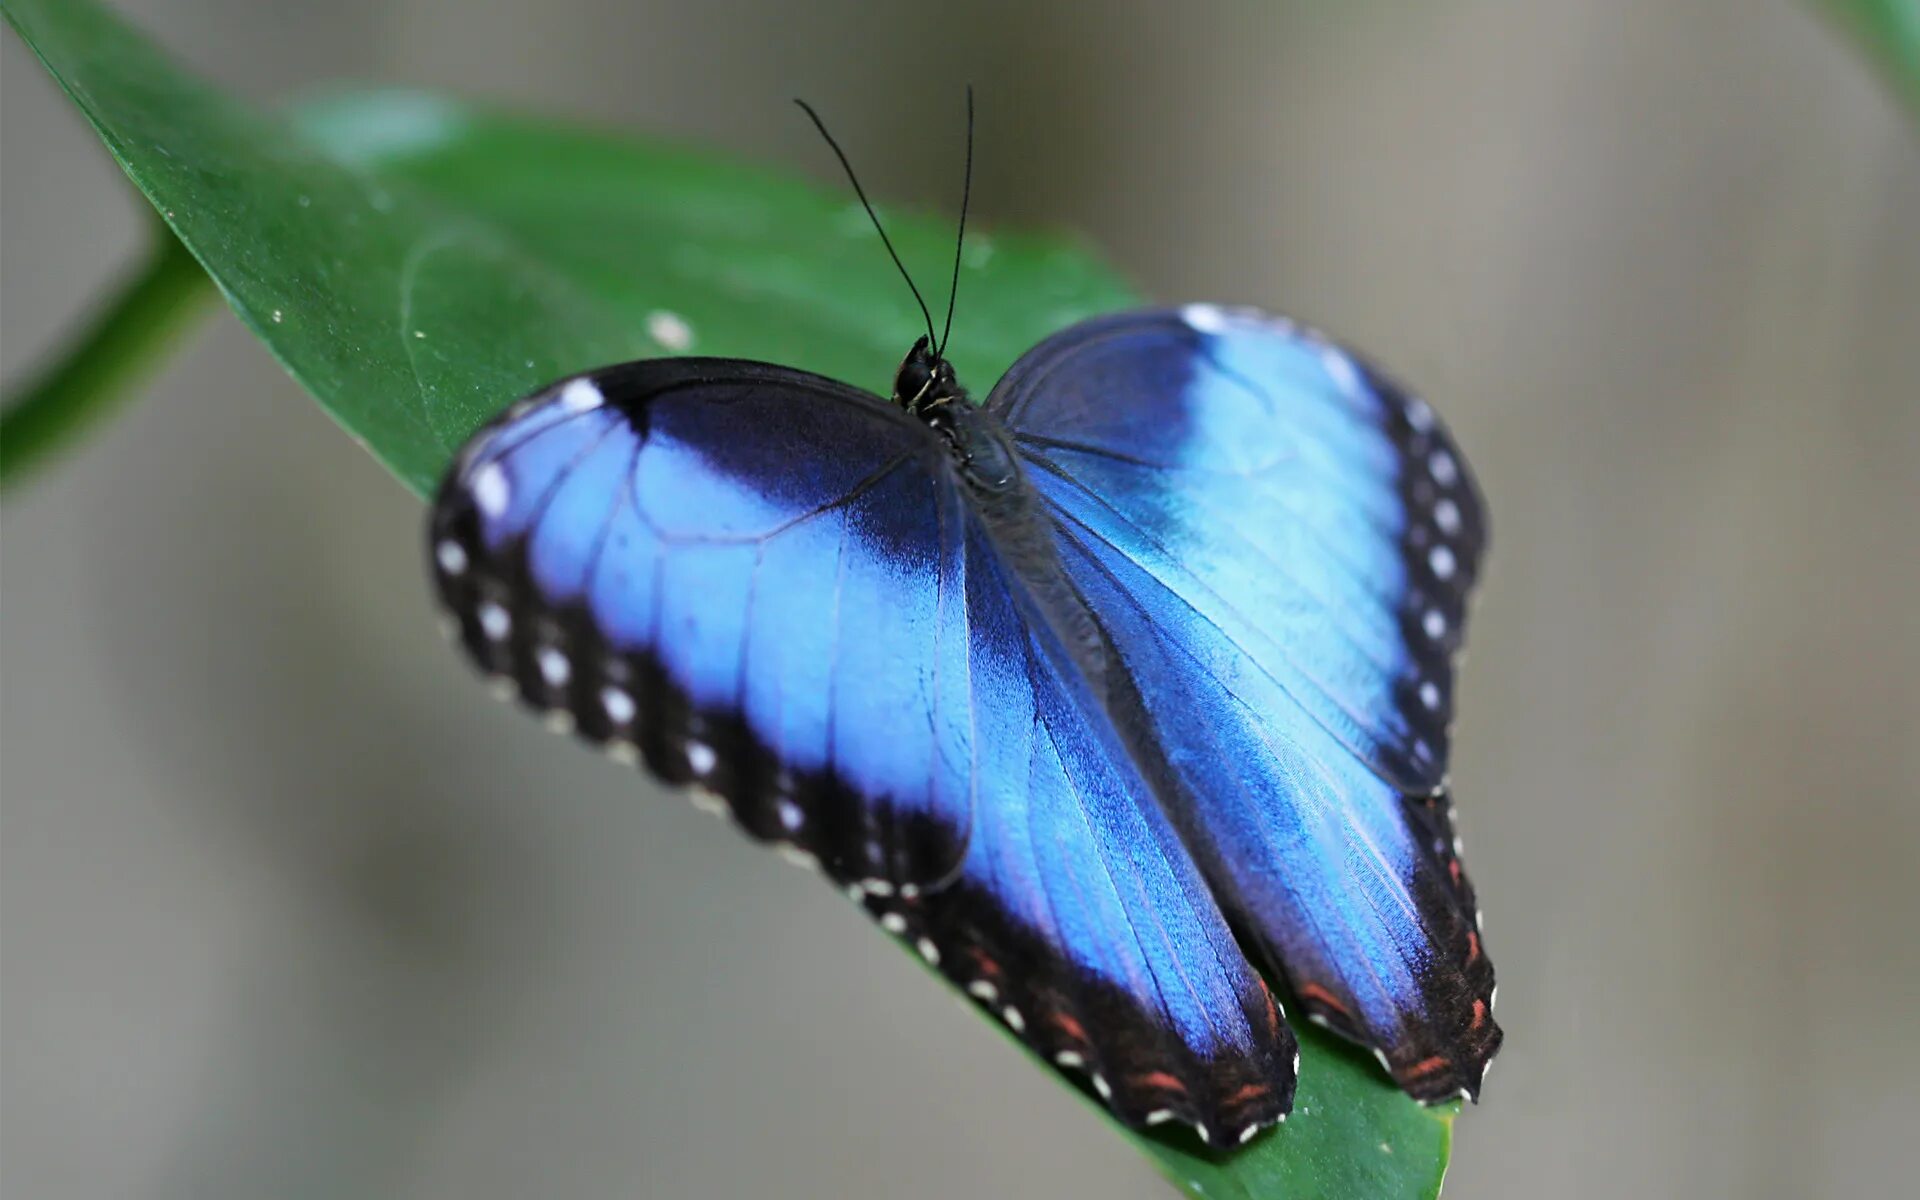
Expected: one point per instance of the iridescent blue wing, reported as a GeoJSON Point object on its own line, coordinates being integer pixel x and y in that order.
{"type": "Point", "coordinates": [1279, 543]}
{"type": "Point", "coordinates": [677, 558]}
{"type": "Point", "coordinates": [775, 587]}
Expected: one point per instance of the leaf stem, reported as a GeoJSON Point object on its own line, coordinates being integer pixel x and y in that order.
{"type": "Point", "coordinates": [101, 364]}
{"type": "Point", "coordinates": [1889, 32]}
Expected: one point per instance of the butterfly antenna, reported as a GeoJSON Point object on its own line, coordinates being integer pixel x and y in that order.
{"type": "Point", "coordinates": [860, 192]}
{"type": "Point", "coordinates": [960, 239]}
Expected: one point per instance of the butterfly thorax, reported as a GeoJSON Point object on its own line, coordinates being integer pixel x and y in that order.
{"type": "Point", "coordinates": [926, 387]}
{"type": "Point", "coordinates": [989, 466]}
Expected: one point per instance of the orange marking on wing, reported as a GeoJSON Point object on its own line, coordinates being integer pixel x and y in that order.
{"type": "Point", "coordinates": [1252, 1091]}
{"type": "Point", "coordinates": [1426, 1066]}
{"type": "Point", "coordinates": [1479, 1014]}
{"type": "Point", "coordinates": [1068, 1026]}
{"type": "Point", "coordinates": [1453, 869]}
{"type": "Point", "coordinates": [1473, 947]}
{"type": "Point", "coordinates": [1161, 1080]}
{"type": "Point", "coordinates": [1320, 995]}
{"type": "Point", "coordinates": [1273, 1010]}
{"type": "Point", "coordinates": [985, 964]}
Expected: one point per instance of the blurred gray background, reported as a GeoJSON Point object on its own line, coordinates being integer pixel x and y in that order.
{"type": "Point", "coordinates": [292, 909]}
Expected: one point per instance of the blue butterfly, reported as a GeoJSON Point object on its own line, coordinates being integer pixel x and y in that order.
{"type": "Point", "coordinates": [1098, 694]}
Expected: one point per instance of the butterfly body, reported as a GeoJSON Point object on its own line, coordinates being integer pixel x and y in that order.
{"type": "Point", "coordinates": [1098, 694]}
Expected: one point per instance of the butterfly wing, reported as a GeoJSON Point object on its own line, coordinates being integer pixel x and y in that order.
{"type": "Point", "coordinates": [1279, 544]}
{"type": "Point", "coordinates": [773, 586]}
{"type": "Point", "coordinates": [671, 557]}
{"type": "Point", "coordinates": [1078, 915]}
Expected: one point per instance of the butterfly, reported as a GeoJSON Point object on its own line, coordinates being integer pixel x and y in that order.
{"type": "Point", "coordinates": [1105, 695]}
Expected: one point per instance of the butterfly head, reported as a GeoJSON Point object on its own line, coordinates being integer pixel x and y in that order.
{"type": "Point", "coordinates": [924, 385]}
{"type": "Point", "coordinates": [925, 380]}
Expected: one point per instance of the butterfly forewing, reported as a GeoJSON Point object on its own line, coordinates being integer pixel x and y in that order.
{"type": "Point", "coordinates": [663, 556]}
{"type": "Point", "coordinates": [1278, 543]}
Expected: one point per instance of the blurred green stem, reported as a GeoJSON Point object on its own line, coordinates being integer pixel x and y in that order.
{"type": "Point", "coordinates": [1889, 31]}
{"type": "Point", "coordinates": [104, 362]}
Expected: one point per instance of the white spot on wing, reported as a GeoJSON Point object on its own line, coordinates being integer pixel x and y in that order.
{"type": "Point", "coordinates": [554, 667]}
{"type": "Point", "coordinates": [1446, 514]}
{"type": "Point", "coordinates": [1101, 1085]}
{"type": "Point", "coordinates": [1440, 558]}
{"type": "Point", "coordinates": [494, 621]}
{"type": "Point", "coordinates": [619, 706]}
{"type": "Point", "coordinates": [1445, 471]}
{"type": "Point", "coordinates": [893, 922]}
{"type": "Point", "coordinates": [791, 816]}
{"type": "Point", "coordinates": [490, 490]}
{"type": "Point", "coordinates": [984, 990]}
{"type": "Point", "coordinates": [1205, 318]}
{"type": "Point", "coordinates": [1246, 1135]}
{"type": "Point", "coordinates": [1159, 1116]}
{"type": "Point", "coordinates": [1419, 415]}
{"type": "Point", "coordinates": [1433, 624]}
{"type": "Point", "coordinates": [1339, 368]}
{"type": "Point", "coordinates": [1014, 1020]}
{"type": "Point", "coordinates": [700, 757]}
{"type": "Point", "coordinates": [670, 330]}
{"type": "Point", "coordinates": [581, 395]}
{"type": "Point", "coordinates": [1429, 695]}
{"type": "Point", "coordinates": [453, 558]}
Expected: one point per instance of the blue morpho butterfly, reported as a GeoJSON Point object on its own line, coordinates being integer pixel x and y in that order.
{"type": "Point", "coordinates": [1097, 694]}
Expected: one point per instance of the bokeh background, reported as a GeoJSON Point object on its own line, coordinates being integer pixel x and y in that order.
{"type": "Point", "coordinates": [292, 909]}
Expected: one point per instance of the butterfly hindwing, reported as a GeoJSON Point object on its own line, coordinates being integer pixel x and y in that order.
{"type": "Point", "coordinates": [1279, 544]}
{"type": "Point", "coordinates": [779, 588]}
{"type": "Point", "coordinates": [1078, 917]}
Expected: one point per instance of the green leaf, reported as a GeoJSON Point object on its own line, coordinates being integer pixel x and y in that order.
{"type": "Point", "coordinates": [417, 263]}
{"type": "Point", "coordinates": [1889, 31]}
